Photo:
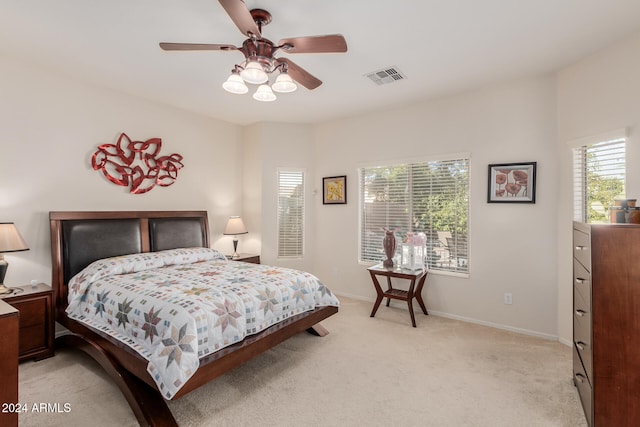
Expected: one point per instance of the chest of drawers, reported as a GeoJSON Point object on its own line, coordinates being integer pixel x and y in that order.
{"type": "Point", "coordinates": [606, 322]}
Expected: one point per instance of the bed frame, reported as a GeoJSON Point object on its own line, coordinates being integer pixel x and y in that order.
{"type": "Point", "coordinates": [79, 238]}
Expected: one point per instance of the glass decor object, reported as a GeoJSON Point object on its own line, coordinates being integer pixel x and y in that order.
{"type": "Point", "coordinates": [414, 252]}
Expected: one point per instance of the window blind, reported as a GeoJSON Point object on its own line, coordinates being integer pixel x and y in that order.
{"type": "Point", "coordinates": [430, 197]}
{"type": "Point", "coordinates": [599, 178]}
{"type": "Point", "coordinates": [290, 214]}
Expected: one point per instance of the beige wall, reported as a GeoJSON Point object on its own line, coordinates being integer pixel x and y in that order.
{"type": "Point", "coordinates": [512, 247]}
{"type": "Point", "coordinates": [598, 94]}
{"type": "Point", "coordinates": [50, 128]}
{"type": "Point", "coordinates": [269, 147]}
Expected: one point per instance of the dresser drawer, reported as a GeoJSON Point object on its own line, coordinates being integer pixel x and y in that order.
{"type": "Point", "coordinates": [584, 387]}
{"type": "Point", "coordinates": [582, 333]}
{"type": "Point", "coordinates": [582, 283]}
{"type": "Point", "coordinates": [581, 248]}
{"type": "Point", "coordinates": [32, 312]}
{"type": "Point", "coordinates": [581, 320]}
{"type": "Point", "coordinates": [32, 338]}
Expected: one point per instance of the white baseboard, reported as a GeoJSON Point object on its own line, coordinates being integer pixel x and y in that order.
{"type": "Point", "coordinates": [476, 321]}
{"type": "Point", "coordinates": [496, 325]}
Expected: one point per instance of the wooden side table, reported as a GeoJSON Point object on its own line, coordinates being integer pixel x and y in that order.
{"type": "Point", "coordinates": [37, 322]}
{"type": "Point", "coordinates": [252, 258]}
{"type": "Point", "coordinates": [418, 276]}
{"type": "Point", "coordinates": [9, 320]}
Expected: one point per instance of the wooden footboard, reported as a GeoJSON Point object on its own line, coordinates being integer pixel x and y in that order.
{"type": "Point", "coordinates": [129, 370]}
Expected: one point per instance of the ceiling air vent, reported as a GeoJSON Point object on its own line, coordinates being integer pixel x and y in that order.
{"type": "Point", "coordinates": [386, 75]}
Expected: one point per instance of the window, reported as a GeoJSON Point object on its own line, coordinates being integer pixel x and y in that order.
{"type": "Point", "coordinates": [430, 197]}
{"type": "Point", "coordinates": [599, 178]}
{"type": "Point", "coordinates": [290, 213]}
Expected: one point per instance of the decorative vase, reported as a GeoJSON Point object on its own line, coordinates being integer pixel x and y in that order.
{"type": "Point", "coordinates": [389, 244]}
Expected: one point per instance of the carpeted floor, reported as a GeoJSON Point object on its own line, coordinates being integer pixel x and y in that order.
{"type": "Point", "coordinates": [373, 372]}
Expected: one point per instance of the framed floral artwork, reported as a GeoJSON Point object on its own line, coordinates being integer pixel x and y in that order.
{"type": "Point", "coordinates": [512, 183]}
{"type": "Point", "coordinates": [334, 190]}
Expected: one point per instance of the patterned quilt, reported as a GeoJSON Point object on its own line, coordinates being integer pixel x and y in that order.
{"type": "Point", "coordinates": [174, 307]}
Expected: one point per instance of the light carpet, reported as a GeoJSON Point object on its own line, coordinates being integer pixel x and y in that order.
{"type": "Point", "coordinates": [368, 371]}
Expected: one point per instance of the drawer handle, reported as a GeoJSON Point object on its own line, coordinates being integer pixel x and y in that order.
{"type": "Point", "coordinates": [581, 248]}
{"type": "Point", "coordinates": [579, 280]}
{"type": "Point", "coordinates": [581, 313]}
{"type": "Point", "coordinates": [580, 345]}
{"type": "Point", "coordinates": [580, 378]}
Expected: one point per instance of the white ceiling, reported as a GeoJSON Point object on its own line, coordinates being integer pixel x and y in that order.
{"type": "Point", "coordinates": [442, 46]}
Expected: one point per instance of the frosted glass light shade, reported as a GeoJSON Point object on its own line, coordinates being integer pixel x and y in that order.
{"type": "Point", "coordinates": [264, 93]}
{"type": "Point", "coordinates": [254, 73]}
{"type": "Point", "coordinates": [235, 84]}
{"type": "Point", "coordinates": [284, 84]}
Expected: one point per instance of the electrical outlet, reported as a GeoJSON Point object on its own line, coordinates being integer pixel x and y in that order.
{"type": "Point", "coordinates": [508, 298]}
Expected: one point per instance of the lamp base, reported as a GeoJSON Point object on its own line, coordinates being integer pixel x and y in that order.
{"type": "Point", "coordinates": [235, 249]}
{"type": "Point", "coordinates": [4, 290]}
{"type": "Point", "coordinates": [3, 271]}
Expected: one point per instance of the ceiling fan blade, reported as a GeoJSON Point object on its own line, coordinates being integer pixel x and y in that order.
{"type": "Point", "coordinates": [196, 46]}
{"type": "Point", "coordinates": [333, 43]}
{"type": "Point", "coordinates": [300, 75]}
{"type": "Point", "coordinates": [240, 15]}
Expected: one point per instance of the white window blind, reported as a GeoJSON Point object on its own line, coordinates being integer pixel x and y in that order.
{"type": "Point", "coordinates": [599, 178]}
{"type": "Point", "coordinates": [430, 197]}
{"type": "Point", "coordinates": [290, 213]}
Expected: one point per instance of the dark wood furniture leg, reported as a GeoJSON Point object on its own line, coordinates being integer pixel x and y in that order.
{"type": "Point", "coordinates": [418, 294]}
{"type": "Point", "coordinates": [380, 293]}
{"type": "Point", "coordinates": [318, 330]}
{"type": "Point", "coordinates": [389, 288]}
{"type": "Point", "coordinates": [410, 301]}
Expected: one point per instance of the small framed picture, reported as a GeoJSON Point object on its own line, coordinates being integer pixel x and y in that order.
{"type": "Point", "coordinates": [334, 190]}
{"type": "Point", "coordinates": [512, 183]}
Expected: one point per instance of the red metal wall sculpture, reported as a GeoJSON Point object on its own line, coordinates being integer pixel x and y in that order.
{"type": "Point", "coordinates": [137, 164]}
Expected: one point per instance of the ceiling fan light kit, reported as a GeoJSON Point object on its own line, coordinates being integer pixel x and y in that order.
{"type": "Point", "coordinates": [260, 60]}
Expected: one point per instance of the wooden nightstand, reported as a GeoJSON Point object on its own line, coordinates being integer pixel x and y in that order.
{"type": "Point", "coordinates": [37, 328]}
{"type": "Point", "coordinates": [252, 258]}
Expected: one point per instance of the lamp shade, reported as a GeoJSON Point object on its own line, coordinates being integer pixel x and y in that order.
{"type": "Point", "coordinates": [10, 238]}
{"type": "Point", "coordinates": [235, 225]}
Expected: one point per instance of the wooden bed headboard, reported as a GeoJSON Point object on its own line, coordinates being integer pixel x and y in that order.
{"type": "Point", "coordinates": [79, 238]}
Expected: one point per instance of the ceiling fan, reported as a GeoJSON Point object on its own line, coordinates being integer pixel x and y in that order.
{"type": "Point", "coordinates": [260, 58]}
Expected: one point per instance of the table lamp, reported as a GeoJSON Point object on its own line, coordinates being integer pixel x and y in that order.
{"type": "Point", "coordinates": [234, 227]}
{"type": "Point", "coordinates": [10, 241]}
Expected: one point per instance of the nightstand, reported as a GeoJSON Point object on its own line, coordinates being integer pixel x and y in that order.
{"type": "Point", "coordinates": [37, 328]}
{"type": "Point", "coordinates": [252, 258]}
